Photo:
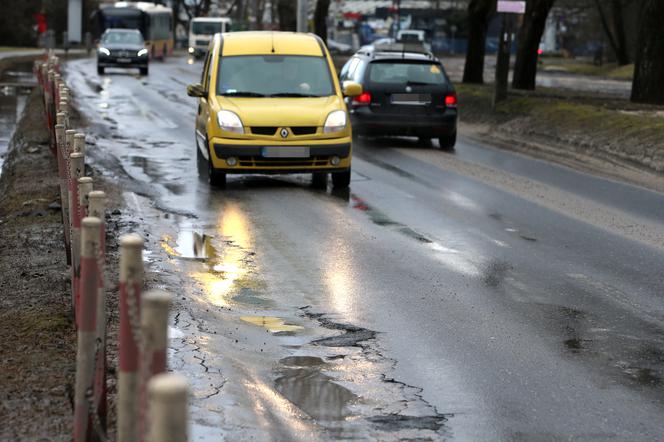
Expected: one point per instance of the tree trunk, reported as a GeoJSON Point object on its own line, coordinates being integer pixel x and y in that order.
{"type": "Point", "coordinates": [530, 34]}
{"type": "Point", "coordinates": [320, 18]}
{"type": "Point", "coordinates": [287, 15]}
{"type": "Point", "coordinates": [479, 15]}
{"type": "Point", "coordinates": [622, 55]}
{"type": "Point", "coordinates": [615, 33]}
{"type": "Point", "coordinates": [649, 65]}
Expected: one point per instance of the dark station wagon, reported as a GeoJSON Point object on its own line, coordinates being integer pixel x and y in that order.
{"type": "Point", "coordinates": [406, 92]}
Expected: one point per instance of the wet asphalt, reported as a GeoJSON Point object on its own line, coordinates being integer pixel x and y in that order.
{"type": "Point", "coordinates": [422, 303]}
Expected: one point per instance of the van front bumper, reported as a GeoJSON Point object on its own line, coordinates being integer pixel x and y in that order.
{"type": "Point", "coordinates": [250, 159]}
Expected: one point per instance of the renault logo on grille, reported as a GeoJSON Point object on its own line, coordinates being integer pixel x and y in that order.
{"type": "Point", "coordinates": [284, 133]}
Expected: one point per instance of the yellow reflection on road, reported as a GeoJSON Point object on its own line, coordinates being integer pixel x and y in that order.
{"type": "Point", "coordinates": [271, 323]}
{"type": "Point", "coordinates": [226, 264]}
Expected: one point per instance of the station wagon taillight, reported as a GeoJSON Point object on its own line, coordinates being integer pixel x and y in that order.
{"type": "Point", "coordinates": [363, 99]}
{"type": "Point", "coordinates": [451, 100]}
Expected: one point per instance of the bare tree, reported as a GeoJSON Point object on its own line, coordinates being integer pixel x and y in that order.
{"type": "Point", "coordinates": [287, 17]}
{"type": "Point", "coordinates": [649, 65]}
{"type": "Point", "coordinates": [479, 16]}
{"type": "Point", "coordinates": [320, 18]}
{"type": "Point", "coordinates": [615, 31]}
{"type": "Point", "coordinates": [530, 34]}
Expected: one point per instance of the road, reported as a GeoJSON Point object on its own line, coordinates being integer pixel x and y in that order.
{"type": "Point", "coordinates": [475, 295]}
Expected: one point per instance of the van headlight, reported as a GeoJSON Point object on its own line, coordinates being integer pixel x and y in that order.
{"type": "Point", "coordinates": [104, 51]}
{"type": "Point", "coordinates": [335, 122]}
{"type": "Point", "coordinates": [142, 52]}
{"type": "Point", "coordinates": [230, 122]}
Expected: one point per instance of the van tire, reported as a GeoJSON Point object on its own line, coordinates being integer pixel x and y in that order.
{"type": "Point", "coordinates": [319, 180]}
{"type": "Point", "coordinates": [215, 178]}
{"type": "Point", "coordinates": [144, 71]}
{"type": "Point", "coordinates": [100, 70]}
{"type": "Point", "coordinates": [341, 180]}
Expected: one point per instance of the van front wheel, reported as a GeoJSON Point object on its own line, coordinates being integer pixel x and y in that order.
{"type": "Point", "coordinates": [341, 180]}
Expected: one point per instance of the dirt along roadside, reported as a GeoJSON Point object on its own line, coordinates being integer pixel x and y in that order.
{"type": "Point", "coordinates": [37, 335]}
{"type": "Point", "coordinates": [599, 134]}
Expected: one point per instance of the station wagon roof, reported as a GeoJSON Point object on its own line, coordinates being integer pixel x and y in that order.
{"type": "Point", "coordinates": [271, 43]}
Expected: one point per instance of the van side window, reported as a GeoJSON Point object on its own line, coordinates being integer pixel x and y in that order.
{"type": "Point", "coordinates": [206, 67]}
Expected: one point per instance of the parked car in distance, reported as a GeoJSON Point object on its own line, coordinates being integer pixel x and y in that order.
{"type": "Point", "coordinates": [405, 92]}
{"type": "Point", "coordinates": [413, 36]}
{"type": "Point", "coordinates": [123, 48]}
{"type": "Point", "coordinates": [270, 102]}
{"type": "Point", "coordinates": [201, 30]}
{"type": "Point", "coordinates": [337, 47]}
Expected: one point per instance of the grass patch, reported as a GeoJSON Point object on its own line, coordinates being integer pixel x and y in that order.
{"type": "Point", "coordinates": [608, 70]}
{"type": "Point", "coordinates": [15, 49]}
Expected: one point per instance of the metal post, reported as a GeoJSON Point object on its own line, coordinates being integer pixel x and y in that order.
{"type": "Point", "coordinates": [168, 396]}
{"type": "Point", "coordinates": [86, 351]}
{"type": "Point", "coordinates": [131, 282]}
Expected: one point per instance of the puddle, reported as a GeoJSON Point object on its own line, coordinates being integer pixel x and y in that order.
{"type": "Point", "coordinates": [315, 393]}
{"type": "Point", "coordinates": [381, 219]}
{"type": "Point", "coordinates": [15, 87]}
{"type": "Point", "coordinates": [272, 324]}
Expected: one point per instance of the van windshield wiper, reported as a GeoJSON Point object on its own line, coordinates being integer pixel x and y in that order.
{"type": "Point", "coordinates": [242, 94]}
{"type": "Point", "coordinates": [418, 83]}
{"type": "Point", "coordinates": [293, 94]}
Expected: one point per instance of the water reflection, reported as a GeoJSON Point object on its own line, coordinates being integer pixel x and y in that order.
{"type": "Point", "coordinates": [312, 391]}
{"type": "Point", "coordinates": [226, 256]}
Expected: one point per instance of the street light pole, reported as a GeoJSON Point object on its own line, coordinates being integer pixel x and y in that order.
{"type": "Point", "coordinates": [302, 15]}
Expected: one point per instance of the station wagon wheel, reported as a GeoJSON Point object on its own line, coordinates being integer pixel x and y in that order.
{"type": "Point", "coordinates": [341, 180]}
{"type": "Point", "coordinates": [448, 142]}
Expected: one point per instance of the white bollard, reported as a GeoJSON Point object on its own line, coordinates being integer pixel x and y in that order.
{"type": "Point", "coordinates": [131, 284]}
{"type": "Point", "coordinates": [86, 354]}
{"type": "Point", "coordinates": [79, 143]}
{"type": "Point", "coordinates": [168, 400]}
{"type": "Point", "coordinates": [84, 188]}
{"type": "Point", "coordinates": [97, 209]}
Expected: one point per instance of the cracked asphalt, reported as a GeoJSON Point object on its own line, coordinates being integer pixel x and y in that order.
{"type": "Point", "coordinates": [479, 295]}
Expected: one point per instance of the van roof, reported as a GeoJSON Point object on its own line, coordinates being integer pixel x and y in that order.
{"type": "Point", "coordinates": [211, 19]}
{"type": "Point", "coordinates": [270, 42]}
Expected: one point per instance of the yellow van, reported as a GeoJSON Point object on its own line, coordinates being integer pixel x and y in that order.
{"type": "Point", "coordinates": [270, 102]}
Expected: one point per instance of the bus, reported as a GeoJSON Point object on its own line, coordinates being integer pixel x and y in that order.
{"type": "Point", "coordinates": [201, 30]}
{"type": "Point", "coordinates": [155, 22]}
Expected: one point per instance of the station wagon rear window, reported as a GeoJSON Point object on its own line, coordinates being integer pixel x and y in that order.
{"type": "Point", "coordinates": [402, 73]}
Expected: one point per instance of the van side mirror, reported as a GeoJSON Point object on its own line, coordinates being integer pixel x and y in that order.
{"type": "Point", "coordinates": [351, 89]}
{"type": "Point", "coordinates": [196, 90]}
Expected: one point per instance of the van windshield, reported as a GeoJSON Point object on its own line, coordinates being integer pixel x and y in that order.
{"type": "Point", "coordinates": [274, 76]}
{"type": "Point", "coordinates": [205, 28]}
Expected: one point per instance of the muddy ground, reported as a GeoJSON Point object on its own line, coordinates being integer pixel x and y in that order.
{"type": "Point", "coordinates": [37, 336]}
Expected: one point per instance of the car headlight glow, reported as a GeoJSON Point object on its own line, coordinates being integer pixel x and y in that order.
{"type": "Point", "coordinates": [335, 122]}
{"type": "Point", "coordinates": [142, 52]}
{"type": "Point", "coordinates": [230, 122]}
{"type": "Point", "coordinates": [104, 51]}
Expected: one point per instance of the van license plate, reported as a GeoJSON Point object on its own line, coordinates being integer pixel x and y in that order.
{"type": "Point", "coordinates": [286, 152]}
{"type": "Point", "coordinates": [124, 60]}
